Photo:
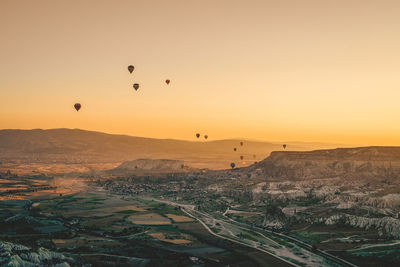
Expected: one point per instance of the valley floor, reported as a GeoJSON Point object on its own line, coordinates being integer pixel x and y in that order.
{"type": "Point", "coordinates": [206, 218]}
{"type": "Point", "coordinates": [87, 225]}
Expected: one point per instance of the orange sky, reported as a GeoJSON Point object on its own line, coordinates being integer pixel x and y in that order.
{"type": "Point", "coordinates": [324, 71]}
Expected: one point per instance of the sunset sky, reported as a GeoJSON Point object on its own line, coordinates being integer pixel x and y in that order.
{"type": "Point", "coordinates": [323, 71]}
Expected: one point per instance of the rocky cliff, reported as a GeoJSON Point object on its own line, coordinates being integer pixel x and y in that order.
{"type": "Point", "coordinates": [18, 255]}
{"type": "Point", "coordinates": [363, 162]}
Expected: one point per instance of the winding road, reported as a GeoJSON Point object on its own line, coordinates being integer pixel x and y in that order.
{"type": "Point", "coordinates": [226, 223]}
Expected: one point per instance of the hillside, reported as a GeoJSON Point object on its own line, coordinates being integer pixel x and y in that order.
{"type": "Point", "coordinates": [74, 146]}
{"type": "Point", "coordinates": [147, 166]}
{"type": "Point", "coordinates": [363, 162]}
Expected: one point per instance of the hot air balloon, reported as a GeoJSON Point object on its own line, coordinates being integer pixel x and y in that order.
{"type": "Point", "coordinates": [77, 106]}
{"type": "Point", "coordinates": [241, 143]}
{"type": "Point", "coordinates": [167, 81]}
{"type": "Point", "coordinates": [205, 137]}
{"type": "Point", "coordinates": [241, 157]}
{"type": "Point", "coordinates": [254, 156]}
{"type": "Point", "coordinates": [234, 149]}
{"type": "Point", "coordinates": [198, 135]}
{"type": "Point", "coordinates": [136, 86]}
{"type": "Point", "coordinates": [131, 68]}
{"type": "Point", "coordinates": [284, 146]}
{"type": "Point", "coordinates": [232, 165]}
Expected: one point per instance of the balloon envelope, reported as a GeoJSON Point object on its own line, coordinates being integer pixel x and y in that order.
{"type": "Point", "coordinates": [77, 106]}
{"type": "Point", "coordinates": [234, 149]}
{"type": "Point", "coordinates": [197, 135]}
{"type": "Point", "coordinates": [131, 68]}
{"type": "Point", "coordinates": [241, 157]}
{"type": "Point", "coordinates": [284, 146]}
{"type": "Point", "coordinates": [232, 165]}
{"type": "Point", "coordinates": [241, 143]}
{"type": "Point", "coordinates": [206, 136]}
{"type": "Point", "coordinates": [167, 81]}
{"type": "Point", "coordinates": [136, 86]}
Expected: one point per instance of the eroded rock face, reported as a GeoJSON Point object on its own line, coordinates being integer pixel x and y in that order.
{"type": "Point", "coordinates": [389, 201]}
{"type": "Point", "coordinates": [274, 217]}
{"type": "Point", "coordinates": [357, 163]}
{"type": "Point", "coordinates": [345, 183]}
{"type": "Point", "coordinates": [387, 226]}
{"type": "Point", "coordinates": [17, 255]}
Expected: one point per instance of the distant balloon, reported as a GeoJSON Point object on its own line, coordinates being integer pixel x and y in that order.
{"type": "Point", "coordinates": [131, 68]}
{"type": "Point", "coordinates": [241, 143]}
{"type": "Point", "coordinates": [254, 156]}
{"type": "Point", "coordinates": [241, 157]}
{"type": "Point", "coordinates": [234, 149]}
{"type": "Point", "coordinates": [232, 165]}
{"type": "Point", "coordinates": [205, 137]}
{"type": "Point", "coordinates": [198, 135]}
{"type": "Point", "coordinates": [284, 146]}
{"type": "Point", "coordinates": [167, 81]}
{"type": "Point", "coordinates": [136, 86]}
{"type": "Point", "coordinates": [77, 106]}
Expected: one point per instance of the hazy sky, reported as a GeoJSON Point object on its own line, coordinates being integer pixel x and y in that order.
{"type": "Point", "coordinates": [326, 71]}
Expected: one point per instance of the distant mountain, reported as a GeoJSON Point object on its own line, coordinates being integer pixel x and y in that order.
{"type": "Point", "coordinates": [352, 163]}
{"type": "Point", "coordinates": [74, 146]}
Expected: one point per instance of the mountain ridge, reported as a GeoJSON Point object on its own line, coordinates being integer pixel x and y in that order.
{"type": "Point", "coordinates": [80, 146]}
{"type": "Point", "coordinates": [360, 162]}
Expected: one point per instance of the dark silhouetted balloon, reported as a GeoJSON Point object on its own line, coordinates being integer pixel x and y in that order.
{"type": "Point", "coordinates": [198, 135]}
{"type": "Point", "coordinates": [205, 137]}
{"type": "Point", "coordinates": [241, 143]}
{"type": "Point", "coordinates": [241, 157]}
{"type": "Point", "coordinates": [234, 149]}
{"type": "Point", "coordinates": [77, 106]}
{"type": "Point", "coordinates": [131, 68]}
{"type": "Point", "coordinates": [232, 165]}
{"type": "Point", "coordinates": [167, 81]}
{"type": "Point", "coordinates": [136, 86]}
{"type": "Point", "coordinates": [284, 146]}
{"type": "Point", "coordinates": [254, 156]}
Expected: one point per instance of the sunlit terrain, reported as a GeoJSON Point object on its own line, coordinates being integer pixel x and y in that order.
{"type": "Point", "coordinates": [319, 208]}
{"type": "Point", "coordinates": [224, 133]}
